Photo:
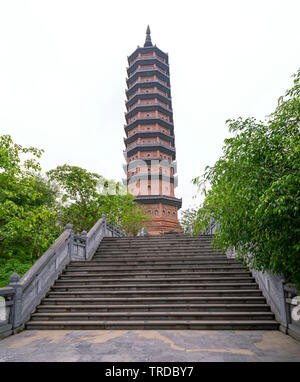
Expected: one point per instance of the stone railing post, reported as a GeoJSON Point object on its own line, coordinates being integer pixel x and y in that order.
{"type": "Point", "coordinates": [104, 224]}
{"type": "Point", "coordinates": [292, 310]}
{"type": "Point", "coordinates": [143, 232]}
{"type": "Point", "coordinates": [68, 227]}
{"type": "Point", "coordinates": [17, 308]}
{"type": "Point", "coordinates": [84, 238]}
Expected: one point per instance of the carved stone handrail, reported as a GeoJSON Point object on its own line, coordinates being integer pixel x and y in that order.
{"type": "Point", "coordinates": [6, 311]}
{"type": "Point", "coordinates": [277, 293]}
{"type": "Point", "coordinates": [210, 229]}
{"type": "Point", "coordinates": [23, 295]}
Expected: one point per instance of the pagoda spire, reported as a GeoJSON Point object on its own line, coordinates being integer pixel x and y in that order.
{"type": "Point", "coordinates": [148, 41]}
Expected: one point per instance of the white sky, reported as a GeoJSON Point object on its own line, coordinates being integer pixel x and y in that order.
{"type": "Point", "coordinates": [63, 70]}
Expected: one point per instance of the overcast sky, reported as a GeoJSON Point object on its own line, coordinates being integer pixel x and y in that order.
{"type": "Point", "coordinates": [63, 70]}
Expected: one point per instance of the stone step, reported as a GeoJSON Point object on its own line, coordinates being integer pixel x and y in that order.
{"type": "Point", "coordinates": [160, 257]}
{"type": "Point", "coordinates": [153, 300]}
{"type": "Point", "coordinates": [156, 268]}
{"type": "Point", "coordinates": [150, 275]}
{"type": "Point", "coordinates": [156, 256]}
{"type": "Point", "coordinates": [157, 248]}
{"type": "Point", "coordinates": [64, 287]}
{"type": "Point", "coordinates": [166, 316]}
{"type": "Point", "coordinates": [163, 246]}
{"type": "Point", "coordinates": [155, 293]}
{"type": "Point", "coordinates": [155, 308]}
{"type": "Point", "coordinates": [166, 259]}
{"type": "Point", "coordinates": [168, 255]}
{"type": "Point", "coordinates": [65, 280]}
{"type": "Point", "coordinates": [138, 262]}
{"type": "Point", "coordinates": [157, 325]}
{"type": "Point", "coordinates": [153, 239]}
{"type": "Point", "coordinates": [155, 282]}
{"type": "Point", "coordinates": [158, 239]}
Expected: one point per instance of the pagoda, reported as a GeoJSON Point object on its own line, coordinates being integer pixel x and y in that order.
{"type": "Point", "coordinates": [150, 142]}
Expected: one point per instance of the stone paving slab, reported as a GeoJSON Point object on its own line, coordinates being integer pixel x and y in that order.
{"type": "Point", "coordinates": [149, 346]}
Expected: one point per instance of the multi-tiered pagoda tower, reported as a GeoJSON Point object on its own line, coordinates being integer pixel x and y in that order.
{"type": "Point", "coordinates": [150, 142]}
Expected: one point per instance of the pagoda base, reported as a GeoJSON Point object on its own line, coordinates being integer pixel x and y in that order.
{"type": "Point", "coordinates": [163, 211]}
{"type": "Point", "coordinates": [161, 226]}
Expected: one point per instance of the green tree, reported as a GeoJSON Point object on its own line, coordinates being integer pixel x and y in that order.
{"type": "Point", "coordinates": [253, 190]}
{"type": "Point", "coordinates": [78, 196]}
{"type": "Point", "coordinates": [124, 212]}
{"type": "Point", "coordinates": [34, 210]}
{"type": "Point", "coordinates": [86, 196]}
{"type": "Point", "coordinates": [27, 213]}
{"type": "Point", "coordinates": [188, 218]}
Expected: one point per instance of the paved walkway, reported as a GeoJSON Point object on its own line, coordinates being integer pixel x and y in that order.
{"type": "Point", "coordinates": [149, 345]}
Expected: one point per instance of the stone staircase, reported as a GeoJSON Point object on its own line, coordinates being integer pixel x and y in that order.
{"type": "Point", "coordinates": [155, 282]}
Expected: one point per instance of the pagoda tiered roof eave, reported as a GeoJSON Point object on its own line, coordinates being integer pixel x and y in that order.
{"type": "Point", "coordinates": [154, 199]}
{"type": "Point", "coordinates": [143, 96]}
{"type": "Point", "coordinates": [139, 162]}
{"type": "Point", "coordinates": [149, 121]}
{"type": "Point", "coordinates": [151, 147]}
{"type": "Point", "coordinates": [148, 84]}
{"type": "Point", "coordinates": [148, 49]}
{"type": "Point", "coordinates": [134, 178]}
{"type": "Point", "coordinates": [148, 72]}
{"type": "Point", "coordinates": [149, 134]}
{"type": "Point", "coordinates": [148, 108]}
{"type": "Point", "coordinates": [147, 61]}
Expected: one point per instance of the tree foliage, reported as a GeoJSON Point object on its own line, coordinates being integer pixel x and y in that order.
{"type": "Point", "coordinates": [78, 196]}
{"type": "Point", "coordinates": [86, 196]}
{"type": "Point", "coordinates": [27, 225]}
{"type": "Point", "coordinates": [34, 209]}
{"type": "Point", "coordinates": [188, 218]}
{"type": "Point", "coordinates": [254, 190]}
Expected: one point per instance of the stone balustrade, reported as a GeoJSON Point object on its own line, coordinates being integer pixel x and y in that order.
{"type": "Point", "coordinates": [279, 295]}
{"type": "Point", "coordinates": [19, 299]}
